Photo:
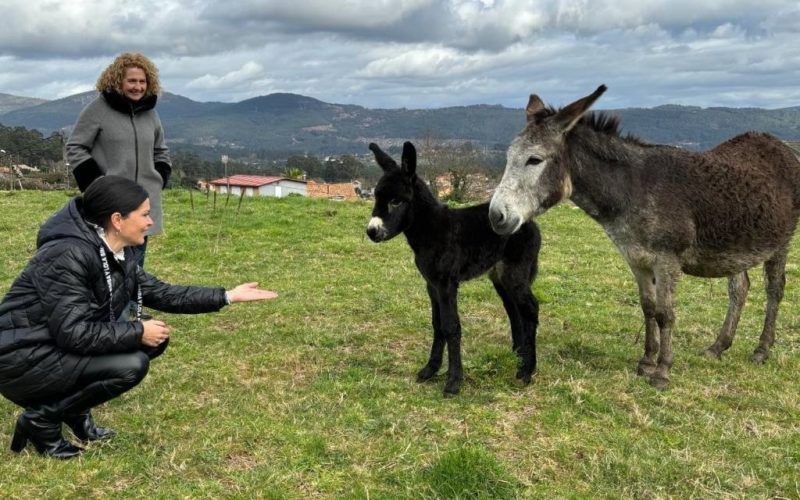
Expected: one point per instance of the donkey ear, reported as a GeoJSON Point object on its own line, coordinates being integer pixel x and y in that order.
{"type": "Point", "coordinates": [569, 116]}
{"type": "Point", "coordinates": [409, 160]}
{"type": "Point", "coordinates": [535, 108]}
{"type": "Point", "coordinates": [384, 161]}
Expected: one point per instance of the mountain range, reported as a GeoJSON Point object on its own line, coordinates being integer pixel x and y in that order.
{"type": "Point", "coordinates": [10, 102]}
{"type": "Point", "coordinates": [282, 124]}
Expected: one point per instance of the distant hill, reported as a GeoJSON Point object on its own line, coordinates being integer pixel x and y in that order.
{"type": "Point", "coordinates": [10, 102]}
{"type": "Point", "coordinates": [290, 123]}
{"type": "Point", "coordinates": [58, 114]}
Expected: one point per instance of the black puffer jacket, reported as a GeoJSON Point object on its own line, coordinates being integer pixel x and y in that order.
{"type": "Point", "coordinates": [61, 299]}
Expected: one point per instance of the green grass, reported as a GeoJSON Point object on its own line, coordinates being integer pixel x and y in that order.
{"type": "Point", "coordinates": [313, 394]}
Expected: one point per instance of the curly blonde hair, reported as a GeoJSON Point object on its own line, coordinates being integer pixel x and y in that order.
{"type": "Point", "coordinates": [111, 78]}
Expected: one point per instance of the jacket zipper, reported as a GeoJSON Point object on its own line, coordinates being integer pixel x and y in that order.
{"type": "Point", "coordinates": [136, 147]}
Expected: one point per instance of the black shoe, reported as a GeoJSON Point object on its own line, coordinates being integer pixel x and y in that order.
{"type": "Point", "coordinates": [45, 436]}
{"type": "Point", "coordinates": [84, 428]}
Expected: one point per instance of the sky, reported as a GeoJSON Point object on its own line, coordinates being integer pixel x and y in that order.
{"type": "Point", "coordinates": [417, 53]}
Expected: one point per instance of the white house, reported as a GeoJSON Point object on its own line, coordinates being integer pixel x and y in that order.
{"type": "Point", "coordinates": [259, 185]}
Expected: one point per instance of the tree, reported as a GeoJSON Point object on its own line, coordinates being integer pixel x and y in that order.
{"type": "Point", "coordinates": [457, 163]}
{"type": "Point", "coordinates": [351, 167]}
{"type": "Point", "coordinates": [188, 168]}
{"type": "Point", "coordinates": [343, 169]}
{"type": "Point", "coordinates": [30, 147]}
{"type": "Point", "coordinates": [293, 173]}
{"type": "Point", "coordinates": [311, 165]}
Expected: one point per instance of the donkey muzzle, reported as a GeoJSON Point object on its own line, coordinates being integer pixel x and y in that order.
{"type": "Point", "coordinates": [503, 221]}
{"type": "Point", "coordinates": [376, 230]}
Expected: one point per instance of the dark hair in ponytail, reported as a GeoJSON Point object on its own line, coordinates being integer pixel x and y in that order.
{"type": "Point", "coordinates": [109, 194]}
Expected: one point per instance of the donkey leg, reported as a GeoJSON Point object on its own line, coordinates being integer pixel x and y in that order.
{"type": "Point", "coordinates": [647, 300]}
{"type": "Point", "coordinates": [451, 329]}
{"type": "Point", "coordinates": [511, 311]}
{"type": "Point", "coordinates": [528, 308]}
{"type": "Point", "coordinates": [437, 348]}
{"type": "Point", "coordinates": [518, 333]}
{"type": "Point", "coordinates": [523, 309]}
{"type": "Point", "coordinates": [666, 280]}
{"type": "Point", "coordinates": [738, 286]}
{"type": "Point", "coordinates": [775, 280]}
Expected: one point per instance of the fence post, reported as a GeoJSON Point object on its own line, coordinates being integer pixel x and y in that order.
{"type": "Point", "coordinates": [241, 198]}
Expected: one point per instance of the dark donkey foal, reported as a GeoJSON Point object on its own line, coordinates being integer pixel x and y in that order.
{"type": "Point", "coordinates": [451, 246]}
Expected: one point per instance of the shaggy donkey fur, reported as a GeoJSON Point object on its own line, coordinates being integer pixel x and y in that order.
{"type": "Point", "coordinates": [451, 246]}
{"type": "Point", "coordinates": [668, 211]}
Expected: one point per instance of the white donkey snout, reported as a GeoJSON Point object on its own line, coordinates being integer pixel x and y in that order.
{"type": "Point", "coordinates": [376, 229]}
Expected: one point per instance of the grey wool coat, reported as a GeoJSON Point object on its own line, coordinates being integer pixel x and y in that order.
{"type": "Point", "coordinates": [117, 136]}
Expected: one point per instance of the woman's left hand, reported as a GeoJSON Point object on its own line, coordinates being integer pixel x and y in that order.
{"type": "Point", "coordinates": [247, 292]}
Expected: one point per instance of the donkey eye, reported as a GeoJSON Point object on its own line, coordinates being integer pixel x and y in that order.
{"type": "Point", "coordinates": [533, 160]}
{"type": "Point", "coordinates": [394, 204]}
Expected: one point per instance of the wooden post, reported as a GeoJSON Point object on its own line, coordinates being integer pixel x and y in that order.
{"type": "Point", "coordinates": [241, 198]}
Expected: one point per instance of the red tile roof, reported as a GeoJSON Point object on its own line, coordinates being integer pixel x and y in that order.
{"type": "Point", "coordinates": [247, 180]}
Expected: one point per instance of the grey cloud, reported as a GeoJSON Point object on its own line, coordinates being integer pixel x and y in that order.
{"type": "Point", "coordinates": [418, 53]}
{"type": "Point", "coordinates": [200, 27]}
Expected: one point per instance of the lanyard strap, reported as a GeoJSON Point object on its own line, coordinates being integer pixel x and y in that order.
{"type": "Point", "coordinates": [107, 272]}
{"type": "Point", "coordinates": [138, 298]}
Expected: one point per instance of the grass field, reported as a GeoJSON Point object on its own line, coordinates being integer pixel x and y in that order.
{"type": "Point", "coordinates": [313, 394]}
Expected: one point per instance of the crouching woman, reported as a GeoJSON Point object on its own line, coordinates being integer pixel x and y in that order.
{"type": "Point", "coordinates": [66, 343]}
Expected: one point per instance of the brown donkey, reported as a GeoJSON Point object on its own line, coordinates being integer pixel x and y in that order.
{"type": "Point", "coordinates": [668, 210]}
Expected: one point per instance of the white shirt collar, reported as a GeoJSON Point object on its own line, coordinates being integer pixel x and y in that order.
{"type": "Point", "coordinates": [102, 234]}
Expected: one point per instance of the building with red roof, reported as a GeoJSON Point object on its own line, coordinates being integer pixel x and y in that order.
{"type": "Point", "coordinates": [260, 185]}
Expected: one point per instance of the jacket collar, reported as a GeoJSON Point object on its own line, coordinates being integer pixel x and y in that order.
{"type": "Point", "coordinates": [68, 223]}
{"type": "Point", "coordinates": [124, 105]}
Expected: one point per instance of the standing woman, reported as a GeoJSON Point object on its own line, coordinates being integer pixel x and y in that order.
{"type": "Point", "coordinates": [63, 347]}
{"type": "Point", "coordinates": [120, 133]}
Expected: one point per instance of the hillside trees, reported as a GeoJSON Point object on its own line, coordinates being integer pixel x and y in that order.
{"type": "Point", "coordinates": [343, 169]}
{"type": "Point", "coordinates": [309, 164]}
{"type": "Point", "coordinates": [455, 164]}
{"type": "Point", "coordinates": [187, 168]}
{"type": "Point", "coordinates": [30, 147]}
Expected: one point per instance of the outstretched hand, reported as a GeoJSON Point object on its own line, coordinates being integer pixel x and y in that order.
{"type": "Point", "coordinates": [247, 292]}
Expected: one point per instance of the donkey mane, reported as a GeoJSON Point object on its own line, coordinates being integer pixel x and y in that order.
{"type": "Point", "coordinates": [600, 121]}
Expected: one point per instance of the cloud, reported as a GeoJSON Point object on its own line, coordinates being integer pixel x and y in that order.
{"type": "Point", "coordinates": [317, 15]}
{"type": "Point", "coordinates": [202, 27]}
{"type": "Point", "coordinates": [417, 53]}
{"type": "Point", "coordinates": [249, 72]}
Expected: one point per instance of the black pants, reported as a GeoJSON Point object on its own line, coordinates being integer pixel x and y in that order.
{"type": "Point", "coordinates": [103, 378]}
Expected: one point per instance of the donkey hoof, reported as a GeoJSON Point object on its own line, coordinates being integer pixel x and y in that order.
{"type": "Point", "coordinates": [426, 373]}
{"type": "Point", "coordinates": [759, 357]}
{"type": "Point", "coordinates": [452, 387]}
{"type": "Point", "coordinates": [524, 376]}
{"type": "Point", "coordinates": [658, 382]}
{"type": "Point", "coordinates": [711, 354]}
{"type": "Point", "coordinates": [645, 369]}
